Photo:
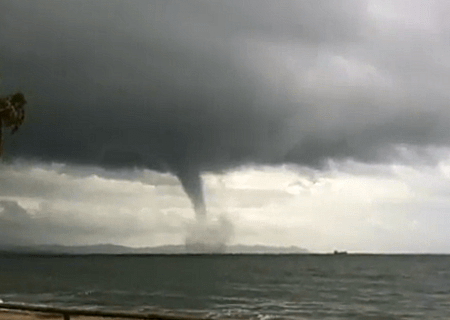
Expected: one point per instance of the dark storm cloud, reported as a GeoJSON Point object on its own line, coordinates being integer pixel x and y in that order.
{"type": "Point", "coordinates": [188, 86]}
{"type": "Point", "coordinates": [49, 225]}
{"type": "Point", "coordinates": [17, 226]}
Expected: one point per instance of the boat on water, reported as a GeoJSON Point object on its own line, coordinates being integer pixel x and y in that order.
{"type": "Point", "coordinates": [339, 252]}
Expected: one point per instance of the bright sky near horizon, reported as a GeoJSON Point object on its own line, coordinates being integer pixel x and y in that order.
{"type": "Point", "coordinates": [319, 124]}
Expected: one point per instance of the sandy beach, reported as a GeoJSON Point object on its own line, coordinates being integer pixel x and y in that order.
{"type": "Point", "coordinates": [28, 315]}
{"type": "Point", "coordinates": [17, 314]}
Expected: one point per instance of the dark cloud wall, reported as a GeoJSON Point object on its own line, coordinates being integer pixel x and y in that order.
{"type": "Point", "coordinates": [187, 86]}
{"type": "Point", "coordinates": [48, 225]}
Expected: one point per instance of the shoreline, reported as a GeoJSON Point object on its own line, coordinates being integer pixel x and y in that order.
{"type": "Point", "coordinates": [6, 314]}
{"type": "Point", "coordinates": [10, 311]}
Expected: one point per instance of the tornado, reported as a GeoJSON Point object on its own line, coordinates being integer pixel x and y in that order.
{"type": "Point", "coordinates": [204, 235]}
{"type": "Point", "coordinates": [192, 184]}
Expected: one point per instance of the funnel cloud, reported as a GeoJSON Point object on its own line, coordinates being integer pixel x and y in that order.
{"type": "Point", "coordinates": [191, 182]}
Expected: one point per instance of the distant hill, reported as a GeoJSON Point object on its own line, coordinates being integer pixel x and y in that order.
{"type": "Point", "coordinates": [260, 249]}
{"type": "Point", "coordinates": [167, 249]}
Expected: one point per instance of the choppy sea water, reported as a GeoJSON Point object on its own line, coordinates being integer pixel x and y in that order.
{"type": "Point", "coordinates": [236, 286]}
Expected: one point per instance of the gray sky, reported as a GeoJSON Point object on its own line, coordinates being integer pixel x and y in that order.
{"type": "Point", "coordinates": [321, 124]}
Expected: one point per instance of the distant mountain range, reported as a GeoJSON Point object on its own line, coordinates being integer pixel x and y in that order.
{"type": "Point", "coordinates": [167, 249]}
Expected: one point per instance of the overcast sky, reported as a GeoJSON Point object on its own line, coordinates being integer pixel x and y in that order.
{"type": "Point", "coordinates": [321, 124]}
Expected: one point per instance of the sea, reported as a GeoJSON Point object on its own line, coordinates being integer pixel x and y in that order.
{"type": "Point", "coordinates": [304, 286]}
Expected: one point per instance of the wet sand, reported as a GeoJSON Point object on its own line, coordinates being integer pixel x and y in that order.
{"type": "Point", "coordinates": [8, 314]}
{"type": "Point", "coordinates": [28, 315]}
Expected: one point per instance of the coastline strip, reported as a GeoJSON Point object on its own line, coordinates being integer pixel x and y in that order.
{"type": "Point", "coordinates": [68, 312]}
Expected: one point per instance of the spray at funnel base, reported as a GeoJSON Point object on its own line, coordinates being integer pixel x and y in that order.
{"type": "Point", "coordinates": [209, 236]}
